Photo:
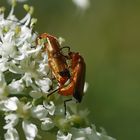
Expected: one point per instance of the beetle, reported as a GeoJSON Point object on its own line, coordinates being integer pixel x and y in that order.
{"type": "Point", "coordinates": [77, 79]}
{"type": "Point", "coordinates": [56, 60]}
{"type": "Point", "coordinates": [62, 71]}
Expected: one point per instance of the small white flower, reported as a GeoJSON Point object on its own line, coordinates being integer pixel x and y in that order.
{"type": "Point", "coordinates": [84, 134]}
{"type": "Point", "coordinates": [27, 78]}
{"type": "Point", "coordinates": [26, 33]}
{"type": "Point", "coordinates": [62, 136]}
{"type": "Point", "coordinates": [89, 133]}
{"type": "Point", "coordinates": [43, 68]}
{"type": "Point", "coordinates": [24, 109]}
{"type": "Point", "coordinates": [20, 57]}
{"type": "Point", "coordinates": [14, 68]}
{"type": "Point", "coordinates": [28, 65]}
{"type": "Point", "coordinates": [11, 104]}
{"type": "Point", "coordinates": [11, 121]}
{"type": "Point", "coordinates": [16, 86]}
{"type": "Point", "coordinates": [30, 130]}
{"type": "Point", "coordinates": [23, 47]}
{"type": "Point", "coordinates": [44, 84]}
{"type": "Point", "coordinates": [82, 4]}
{"type": "Point", "coordinates": [39, 112]}
{"type": "Point", "coordinates": [8, 48]}
{"type": "Point", "coordinates": [35, 94]}
{"type": "Point", "coordinates": [11, 134]}
{"type": "Point", "coordinates": [50, 107]}
{"type": "Point", "coordinates": [47, 124]}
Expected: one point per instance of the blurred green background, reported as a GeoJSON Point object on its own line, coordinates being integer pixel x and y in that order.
{"type": "Point", "coordinates": [108, 37]}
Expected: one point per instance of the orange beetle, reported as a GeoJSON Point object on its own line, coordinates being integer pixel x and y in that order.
{"type": "Point", "coordinates": [57, 61]}
{"type": "Point", "coordinates": [77, 80]}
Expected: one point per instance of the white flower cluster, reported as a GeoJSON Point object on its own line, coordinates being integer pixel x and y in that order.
{"type": "Point", "coordinates": [23, 76]}
{"type": "Point", "coordinates": [24, 85]}
{"type": "Point", "coordinates": [88, 133]}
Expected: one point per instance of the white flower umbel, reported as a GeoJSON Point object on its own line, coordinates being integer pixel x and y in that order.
{"type": "Point", "coordinates": [20, 73]}
{"type": "Point", "coordinates": [26, 81]}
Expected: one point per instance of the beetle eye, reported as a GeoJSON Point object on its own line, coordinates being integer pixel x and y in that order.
{"type": "Point", "coordinates": [40, 37]}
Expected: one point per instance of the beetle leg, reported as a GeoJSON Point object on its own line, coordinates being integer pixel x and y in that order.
{"type": "Point", "coordinates": [65, 105]}
{"type": "Point", "coordinates": [65, 47]}
{"type": "Point", "coordinates": [52, 92]}
{"type": "Point", "coordinates": [65, 55]}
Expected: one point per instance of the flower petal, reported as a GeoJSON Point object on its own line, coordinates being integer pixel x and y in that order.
{"type": "Point", "coordinates": [30, 130]}
{"type": "Point", "coordinates": [16, 86]}
{"type": "Point", "coordinates": [39, 112]}
{"type": "Point", "coordinates": [11, 134]}
{"type": "Point", "coordinates": [11, 120]}
{"type": "Point", "coordinates": [35, 94]}
{"type": "Point", "coordinates": [84, 133]}
{"type": "Point", "coordinates": [47, 124]}
{"type": "Point", "coordinates": [62, 136]}
{"type": "Point", "coordinates": [50, 107]}
{"type": "Point", "coordinates": [44, 84]}
{"type": "Point", "coordinates": [11, 103]}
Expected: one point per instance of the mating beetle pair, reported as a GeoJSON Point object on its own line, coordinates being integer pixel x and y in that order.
{"type": "Point", "coordinates": [57, 61]}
